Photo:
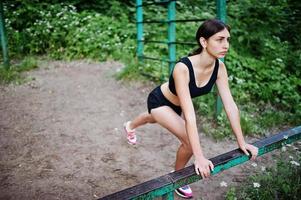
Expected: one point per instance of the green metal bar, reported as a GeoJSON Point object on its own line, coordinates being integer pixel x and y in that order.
{"type": "Point", "coordinates": [153, 22]}
{"type": "Point", "coordinates": [221, 10]}
{"type": "Point", "coordinates": [168, 196]}
{"type": "Point", "coordinates": [166, 42]}
{"type": "Point", "coordinates": [139, 18]}
{"type": "Point", "coordinates": [155, 41]}
{"type": "Point", "coordinates": [154, 3]}
{"type": "Point", "coordinates": [264, 146]}
{"type": "Point", "coordinates": [167, 21]}
{"type": "Point", "coordinates": [3, 38]}
{"type": "Point", "coordinates": [151, 58]}
{"type": "Point", "coordinates": [171, 34]}
{"type": "Point", "coordinates": [191, 20]}
{"type": "Point", "coordinates": [166, 184]}
{"type": "Point", "coordinates": [221, 15]}
{"type": "Point", "coordinates": [186, 43]}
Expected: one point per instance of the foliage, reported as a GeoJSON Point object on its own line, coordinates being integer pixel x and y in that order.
{"type": "Point", "coordinates": [13, 74]}
{"type": "Point", "coordinates": [263, 64]}
{"type": "Point", "coordinates": [282, 181]}
{"type": "Point", "coordinates": [62, 32]}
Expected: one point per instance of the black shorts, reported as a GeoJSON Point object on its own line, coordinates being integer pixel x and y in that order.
{"type": "Point", "coordinates": [157, 99]}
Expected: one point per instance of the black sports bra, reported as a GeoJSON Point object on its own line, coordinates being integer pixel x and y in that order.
{"type": "Point", "coordinates": [195, 91]}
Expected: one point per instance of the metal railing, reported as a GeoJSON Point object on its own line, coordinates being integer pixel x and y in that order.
{"type": "Point", "coordinates": [165, 185]}
{"type": "Point", "coordinates": [171, 35]}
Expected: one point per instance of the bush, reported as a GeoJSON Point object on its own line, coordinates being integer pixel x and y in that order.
{"type": "Point", "coordinates": [263, 63]}
{"type": "Point", "coordinates": [282, 181]}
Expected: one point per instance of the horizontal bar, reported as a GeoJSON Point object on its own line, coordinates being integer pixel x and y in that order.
{"type": "Point", "coordinates": [149, 75]}
{"type": "Point", "coordinates": [186, 43]}
{"type": "Point", "coordinates": [169, 21]}
{"type": "Point", "coordinates": [152, 21]}
{"type": "Point", "coordinates": [154, 41]}
{"type": "Point", "coordinates": [166, 42]}
{"type": "Point", "coordinates": [152, 58]}
{"type": "Point", "coordinates": [154, 3]}
{"type": "Point", "coordinates": [169, 182]}
{"type": "Point", "coordinates": [189, 20]}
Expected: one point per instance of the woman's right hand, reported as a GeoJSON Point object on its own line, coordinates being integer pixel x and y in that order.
{"type": "Point", "coordinates": [203, 166]}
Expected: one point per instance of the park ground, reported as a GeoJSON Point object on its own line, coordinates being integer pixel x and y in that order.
{"type": "Point", "coordinates": [62, 137]}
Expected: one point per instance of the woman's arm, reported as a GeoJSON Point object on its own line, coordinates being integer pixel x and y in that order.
{"type": "Point", "coordinates": [181, 78]}
{"type": "Point", "coordinates": [232, 110]}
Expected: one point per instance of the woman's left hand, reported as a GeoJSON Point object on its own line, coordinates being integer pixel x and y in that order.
{"type": "Point", "coordinates": [251, 148]}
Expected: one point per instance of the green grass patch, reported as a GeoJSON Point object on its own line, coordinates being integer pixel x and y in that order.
{"type": "Point", "coordinates": [14, 73]}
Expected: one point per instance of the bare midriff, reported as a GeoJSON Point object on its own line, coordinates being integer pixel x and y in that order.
{"type": "Point", "coordinates": [169, 95]}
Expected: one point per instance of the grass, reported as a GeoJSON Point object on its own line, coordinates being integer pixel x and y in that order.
{"type": "Point", "coordinates": [14, 73]}
{"type": "Point", "coordinates": [281, 181]}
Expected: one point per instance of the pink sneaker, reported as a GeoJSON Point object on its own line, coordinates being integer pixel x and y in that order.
{"type": "Point", "coordinates": [184, 192]}
{"type": "Point", "coordinates": [130, 134]}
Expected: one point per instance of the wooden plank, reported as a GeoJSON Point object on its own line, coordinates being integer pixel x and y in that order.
{"type": "Point", "coordinates": [140, 189]}
{"type": "Point", "coordinates": [169, 182]}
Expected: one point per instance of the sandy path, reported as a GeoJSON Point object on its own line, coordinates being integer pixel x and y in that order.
{"type": "Point", "coordinates": [61, 137]}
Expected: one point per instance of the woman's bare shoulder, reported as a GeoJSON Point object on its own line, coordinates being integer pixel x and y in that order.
{"type": "Point", "coordinates": [180, 68]}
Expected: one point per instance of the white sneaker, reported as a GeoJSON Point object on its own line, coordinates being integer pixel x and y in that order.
{"type": "Point", "coordinates": [184, 191]}
{"type": "Point", "coordinates": [130, 134]}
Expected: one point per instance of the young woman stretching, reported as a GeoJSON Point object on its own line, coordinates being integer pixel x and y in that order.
{"type": "Point", "coordinates": [193, 76]}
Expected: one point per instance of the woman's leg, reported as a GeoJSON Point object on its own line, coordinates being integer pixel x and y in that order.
{"type": "Point", "coordinates": [170, 120]}
{"type": "Point", "coordinates": [141, 119]}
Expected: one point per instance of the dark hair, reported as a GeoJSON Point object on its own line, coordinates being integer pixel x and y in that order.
{"type": "Point", "coordinates": [206, 30]}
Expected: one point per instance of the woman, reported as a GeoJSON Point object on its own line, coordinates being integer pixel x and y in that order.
{"type": "Point", "coordinates": [193, 76]}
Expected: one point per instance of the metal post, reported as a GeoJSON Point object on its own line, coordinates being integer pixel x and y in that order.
{"type": "Point", "coordinates": [221, 10]}
{"type": "Point", "coordinates": [221, 15]}
{"type": "Point", "coordinates": [139, 18]}
{"type": "Point", "coordinates": [171, 34]}
{"type": "Point", "coordinates": [3, 38]}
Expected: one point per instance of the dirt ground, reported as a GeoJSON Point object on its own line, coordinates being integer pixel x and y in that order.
{"type": "Point", "coordinates": [62, 137]}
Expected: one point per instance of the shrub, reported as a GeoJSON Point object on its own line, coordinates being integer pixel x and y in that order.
{"type": "Point", "coordinates": [282, 181]}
